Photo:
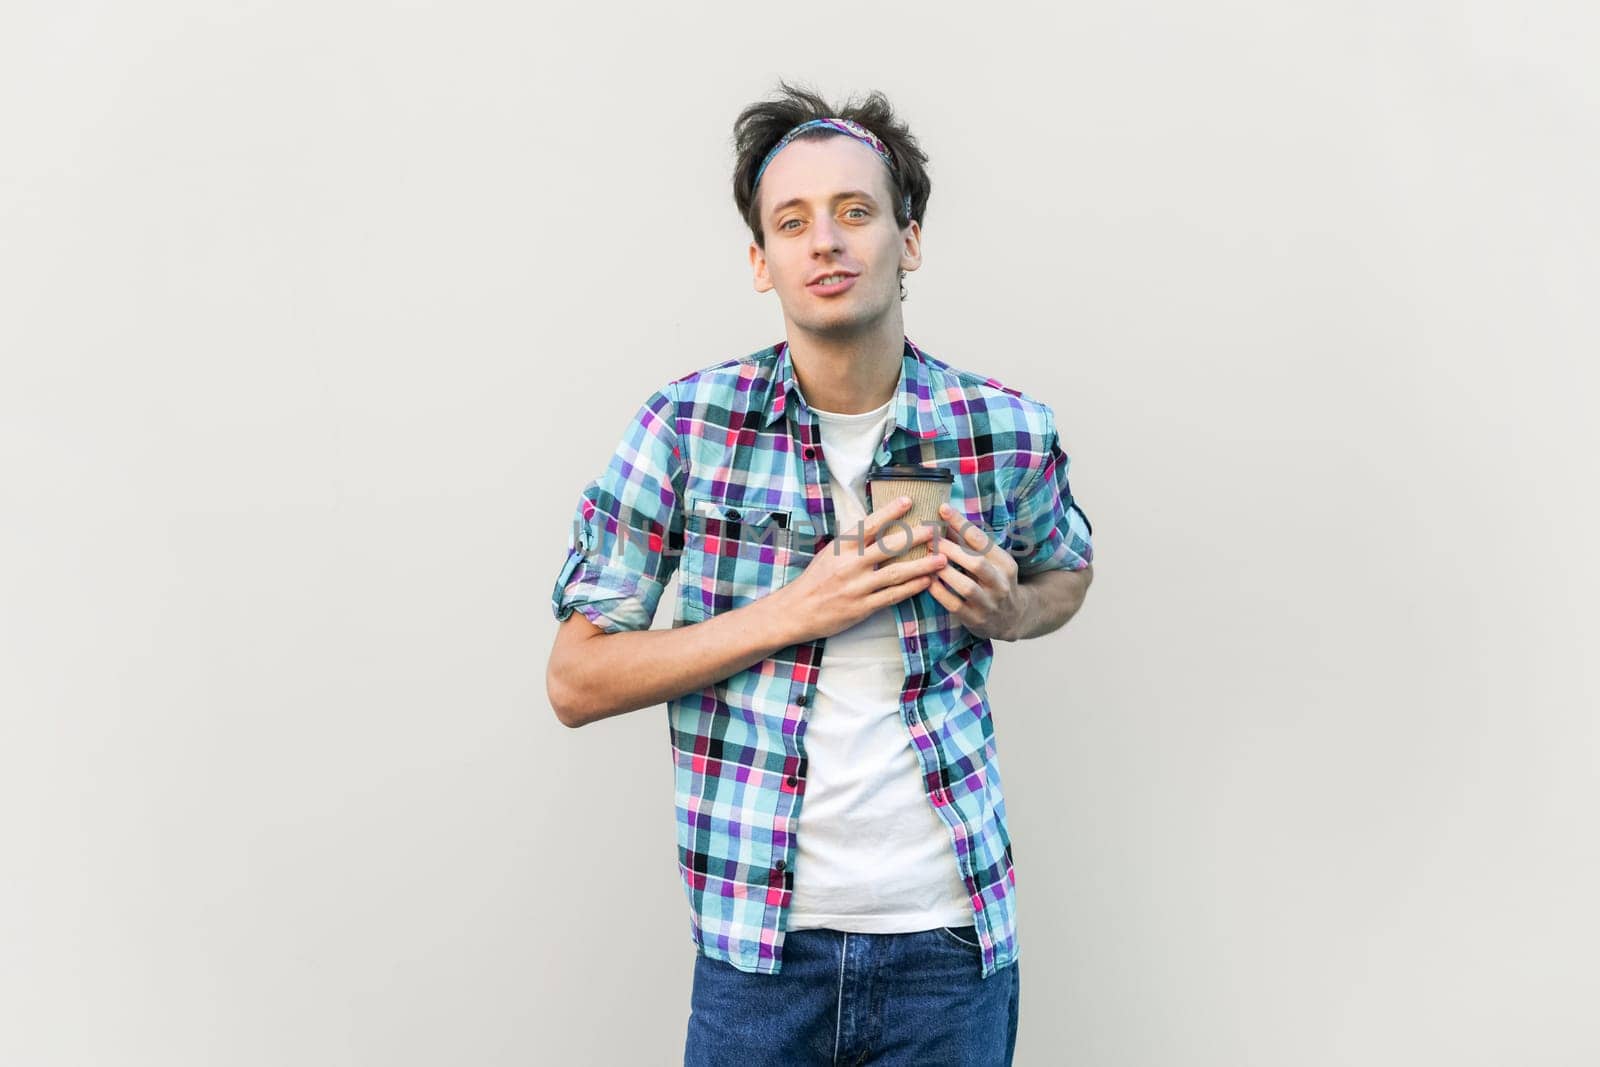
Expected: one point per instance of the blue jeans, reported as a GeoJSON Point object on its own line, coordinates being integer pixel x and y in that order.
{"type": "Point", "coordinates": [849, 998]}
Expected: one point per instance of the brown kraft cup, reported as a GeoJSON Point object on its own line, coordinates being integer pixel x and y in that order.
{"type": "Point", "coordinates": [928, 487]}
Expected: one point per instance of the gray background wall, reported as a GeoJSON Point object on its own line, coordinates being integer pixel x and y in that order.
{"type": "Point", "coordinates": [318, 316]}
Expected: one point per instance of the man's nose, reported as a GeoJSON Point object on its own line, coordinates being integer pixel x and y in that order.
{"type": "Point", "coordinates": [824, 235]}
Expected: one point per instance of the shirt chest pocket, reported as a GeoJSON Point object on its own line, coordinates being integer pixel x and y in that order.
{"type": "Point", "coordinates": [734, 553]}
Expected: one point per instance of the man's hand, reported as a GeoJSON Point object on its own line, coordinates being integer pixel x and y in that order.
{"type": "Point", "coordinates": [844, 583]}
{"type": "Point", "coordinates": [982, 590]}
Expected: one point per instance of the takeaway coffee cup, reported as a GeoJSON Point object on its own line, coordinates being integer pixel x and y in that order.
{"type": "Point", "coordinates": [928, 487]}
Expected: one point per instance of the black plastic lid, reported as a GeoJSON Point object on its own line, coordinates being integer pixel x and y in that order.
{"type": "Point", "coordinates": [911, 473]}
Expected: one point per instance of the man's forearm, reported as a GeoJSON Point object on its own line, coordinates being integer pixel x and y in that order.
{"type": "Point", "coordinates": [1053, 597]}
{"type": "Point", "coordinates": [610, 674]}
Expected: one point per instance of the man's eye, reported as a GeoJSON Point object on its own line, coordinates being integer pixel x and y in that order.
{"type": "Point", "coordinates": [784, 225]}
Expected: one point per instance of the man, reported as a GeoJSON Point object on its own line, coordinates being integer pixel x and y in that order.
{"type": "Point", "coordinates": [841, 828]}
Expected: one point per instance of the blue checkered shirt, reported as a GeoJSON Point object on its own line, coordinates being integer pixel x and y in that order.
{"type": "Point", "coordinates": [720, 478]}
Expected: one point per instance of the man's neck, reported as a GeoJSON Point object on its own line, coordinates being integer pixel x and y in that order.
{"type": "Point", "coordinates": [849, 375]}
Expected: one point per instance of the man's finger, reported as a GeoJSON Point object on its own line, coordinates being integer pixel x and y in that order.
{"type": "Point", "coordinates": [864, 532]}
{"type": "Point", "coordinates": [875, 521]}
{"type": "Point", "coordinates": [943, 594]}
{"type": "Point", "coordinates": [895, 541]}
{"type": "Point", "coordinates": [972, 534]}
{"type": "Point", "coordinates": [962, 584]}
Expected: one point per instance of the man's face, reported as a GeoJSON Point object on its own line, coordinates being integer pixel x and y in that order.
{"type": "Point", "coordinates": [827, 206]}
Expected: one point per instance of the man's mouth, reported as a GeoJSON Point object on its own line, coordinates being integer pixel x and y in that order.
{"type": "Point", "coordinates": [831, 284]}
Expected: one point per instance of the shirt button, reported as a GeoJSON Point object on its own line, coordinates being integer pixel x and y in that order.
{"type": "Point", "coordinates": [801, 700]}
{"type": "Point", "coordinates": [792, 780]}
{"type": "Point", "coordinates": [733, 516]}
{"type": "Point", "coordinates": [780, 865]}
{"type": "Point", "coordinates": [810, 452]}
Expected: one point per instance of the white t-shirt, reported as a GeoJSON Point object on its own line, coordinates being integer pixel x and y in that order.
{"type": "Point", "coordinates": [872, 855]}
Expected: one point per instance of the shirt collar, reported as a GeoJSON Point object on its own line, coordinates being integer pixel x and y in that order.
{"type": "Point", "coordinates": [917, 403]}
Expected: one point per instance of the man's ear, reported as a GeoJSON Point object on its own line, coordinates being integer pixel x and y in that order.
{"type": "Point", "coordinates": [911, 250]}
{"type": "Point", "coordinates": [758, 264]}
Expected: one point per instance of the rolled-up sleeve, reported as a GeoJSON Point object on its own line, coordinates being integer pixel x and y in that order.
{"type": "Point", "coordinates": [627, 530]}
{"type": "Point", "coordinates": [1049, 531]}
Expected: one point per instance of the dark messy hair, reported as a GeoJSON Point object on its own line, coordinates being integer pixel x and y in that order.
{"type": "Point", "coordinates": [763, 124]}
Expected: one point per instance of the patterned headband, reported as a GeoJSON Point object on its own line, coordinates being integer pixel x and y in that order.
{"type": "Point", "coordinates": [844, 126]}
